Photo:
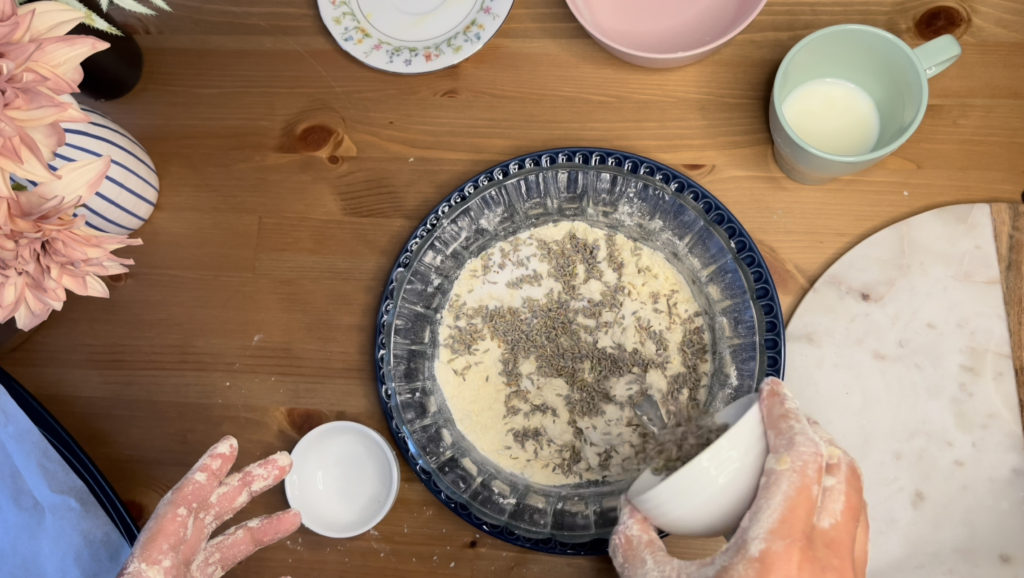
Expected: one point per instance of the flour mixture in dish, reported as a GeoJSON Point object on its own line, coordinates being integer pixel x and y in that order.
{"type": "Point", "coordinates": [550, 337]}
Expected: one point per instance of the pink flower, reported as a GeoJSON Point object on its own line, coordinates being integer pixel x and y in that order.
{"type": "Point", "coordinates": [45, 250]}
{"type": "Point", "coordinates": [38, 66]}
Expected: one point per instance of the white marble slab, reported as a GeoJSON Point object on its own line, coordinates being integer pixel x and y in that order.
{"type": "Point", "coordinates": [902, 351]}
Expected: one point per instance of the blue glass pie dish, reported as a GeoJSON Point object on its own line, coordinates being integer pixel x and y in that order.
{"type": "Point", "coordinates": [643, 200]}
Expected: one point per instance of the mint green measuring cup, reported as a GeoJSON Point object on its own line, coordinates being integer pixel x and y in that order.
{"type": "Point", "coordinates": [893, 74]}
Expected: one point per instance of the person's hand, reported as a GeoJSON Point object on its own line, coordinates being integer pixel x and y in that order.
{"type": "Point", "coordinates": [176, 543]}
{"type": "Point", "coordinates": [809, 517]}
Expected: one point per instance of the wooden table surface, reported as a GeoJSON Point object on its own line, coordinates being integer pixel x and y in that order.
{"type": "Point", "coordinates": [252, 305]}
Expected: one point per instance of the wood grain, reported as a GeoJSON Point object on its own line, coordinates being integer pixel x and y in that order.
{"type": "Point", "coordinates": [251, 308]}
{"type": "Point", "coordinates": [1008, 225]}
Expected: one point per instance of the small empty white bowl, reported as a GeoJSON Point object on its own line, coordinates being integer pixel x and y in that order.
{"type": "Point", "coordinates": [709, 494]}
{"type": "Point", "coordinates": [344, 479]}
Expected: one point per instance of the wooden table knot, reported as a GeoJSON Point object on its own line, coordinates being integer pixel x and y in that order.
{"type": "Point", "coordinates": [697, 170]}
{"type": "Point", "coordinates": [315, 137]}
{"type": "Point", "coordinates": [319, 133]}
{"type": "Point", "coordinates": [117, 280]}
{"type": "Point", "coordinates": [302, 420]}
{"type": "Point", "coordinates": [943, 19]}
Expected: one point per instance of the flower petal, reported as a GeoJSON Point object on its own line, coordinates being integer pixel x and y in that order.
{"type": "Point", "coordinates": [49, 19]}
{"type": "Point", "coordinates": [79, 179]}
{"type": "Point", "coordinates": [8, 9]}
{"type": "Point", "coordinates": [64, 55]}
{"type": "Point", "coordinates": [24, 161]}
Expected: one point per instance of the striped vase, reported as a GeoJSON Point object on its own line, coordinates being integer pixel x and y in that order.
{"type": "Point", "coordinates": [128, 194]}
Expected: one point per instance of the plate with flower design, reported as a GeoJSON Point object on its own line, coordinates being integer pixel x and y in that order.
{"type": "Point", "coordinates": [413, 36]}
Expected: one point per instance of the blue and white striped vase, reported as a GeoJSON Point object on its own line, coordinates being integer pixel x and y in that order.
{"type": "Point", "coordinates": [128, 194]}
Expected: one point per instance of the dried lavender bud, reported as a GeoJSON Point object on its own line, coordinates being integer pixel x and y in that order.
{"type": "Point", "coordinates": [581, 312]}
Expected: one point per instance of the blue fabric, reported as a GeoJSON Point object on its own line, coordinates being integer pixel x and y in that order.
{"type": "Point", "coordinates": [50, 525]}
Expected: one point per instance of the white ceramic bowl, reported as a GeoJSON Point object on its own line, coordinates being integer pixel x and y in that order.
{"type": "Point", "coordinates": [664, 33]}
{"type": "Point", "coordinates": [344, 479]}
{"type": "Point", "coordinates": [709, 494]}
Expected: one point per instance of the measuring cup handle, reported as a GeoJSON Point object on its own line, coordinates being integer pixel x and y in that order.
{"type": "Point", "coordinates": [937, 54]}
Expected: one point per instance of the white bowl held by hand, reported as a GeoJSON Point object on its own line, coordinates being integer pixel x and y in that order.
{"type": "Point", "coordinates": [709, 495]}
{"type": "Point", "coordinates": [344, 479]}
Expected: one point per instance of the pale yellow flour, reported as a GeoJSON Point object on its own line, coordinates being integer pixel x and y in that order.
{"type": "Point", "coordinates": [548, 339]}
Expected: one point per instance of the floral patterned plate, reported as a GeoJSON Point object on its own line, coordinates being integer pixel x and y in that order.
{"type": "Point", "coordinates": [413, 36]}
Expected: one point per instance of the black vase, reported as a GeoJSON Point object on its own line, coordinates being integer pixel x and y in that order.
{"type": "Point", "coordinates": [114, 72]}
{"type": "Point", "coordinates": [110, 73]}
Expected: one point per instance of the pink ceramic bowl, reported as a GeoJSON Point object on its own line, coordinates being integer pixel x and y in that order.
{"type": "Point", "coordinates": [663, 33]}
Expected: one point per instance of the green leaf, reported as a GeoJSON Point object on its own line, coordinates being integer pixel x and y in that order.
{"type": "Point", "coordinates": [91, 19]}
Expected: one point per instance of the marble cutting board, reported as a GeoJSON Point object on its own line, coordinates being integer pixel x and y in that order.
{"type": "Point", "coordinates": [903, 350]}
